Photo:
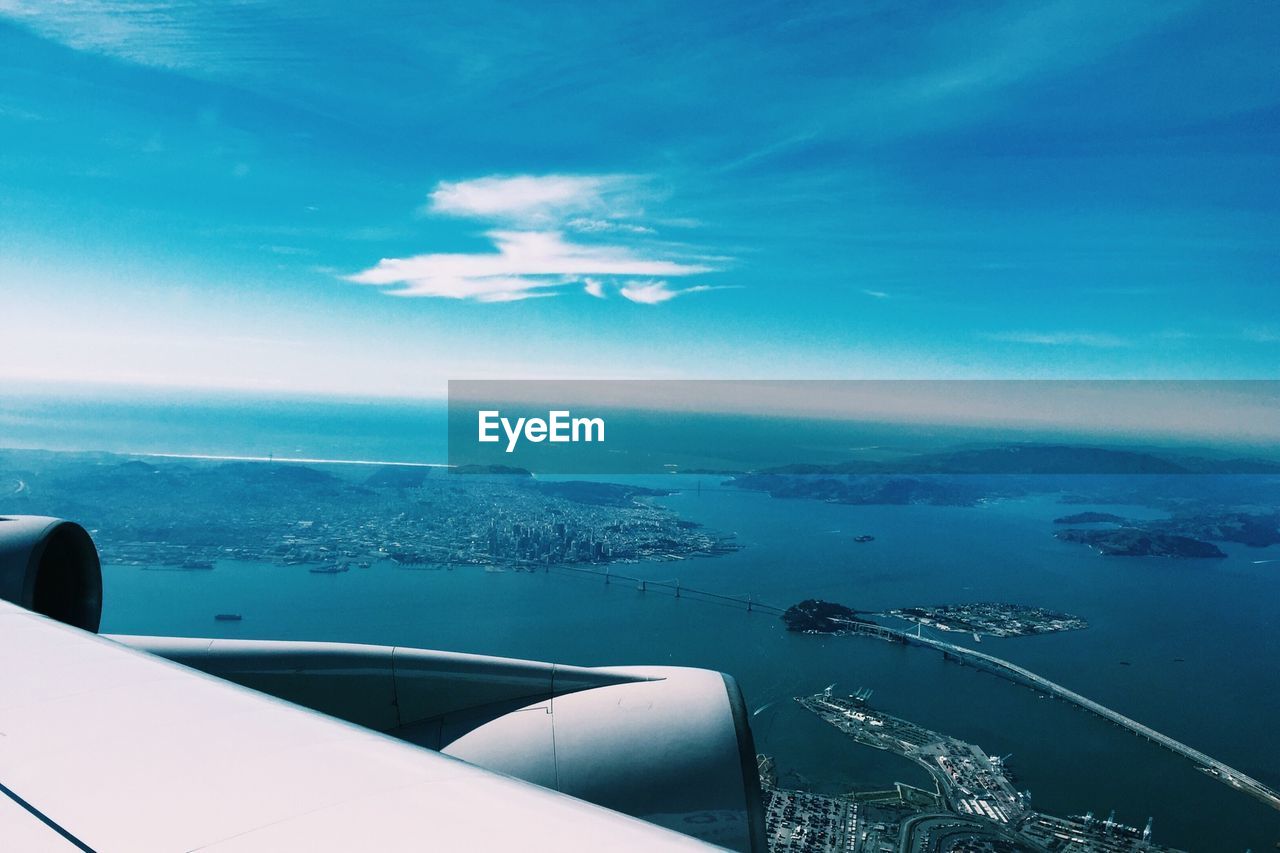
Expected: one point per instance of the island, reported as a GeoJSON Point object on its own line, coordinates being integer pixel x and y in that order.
{"type": "Point", "coordinates": [1136, 542]}
{"type": "Point", "coordinates": [1255, 529]}
{"type": "Point", "coordinates": [813, 616]}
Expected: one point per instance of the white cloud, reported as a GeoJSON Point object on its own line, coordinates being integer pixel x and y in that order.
{"type": "Point", "coordinates": [532, 257]}
{"type": "Point", "coordinates": [538, 199]}
{"type": "Point", "coordinates": [876, 294]}
{"type": "Point", "coordinates": [525, 261]}
{"type": "Point", "coordinates": [1056, 339]}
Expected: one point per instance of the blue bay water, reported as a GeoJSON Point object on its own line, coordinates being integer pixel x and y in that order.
{"type": "Point", "coordinates": [1217, 617]}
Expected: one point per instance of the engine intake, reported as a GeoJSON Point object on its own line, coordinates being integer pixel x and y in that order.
{"type": "Point", "coordinates": [51, 566]}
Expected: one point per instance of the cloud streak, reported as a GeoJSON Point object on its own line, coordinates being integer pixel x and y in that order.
{"type": "Point", "coordinates": [657, 292]}
{"type": "Point", "coordinates": [538, 199]}
{"type": "Point", "coordinates": [524, 263]}
{"type": "Point", "coordinates": [1099, 340]}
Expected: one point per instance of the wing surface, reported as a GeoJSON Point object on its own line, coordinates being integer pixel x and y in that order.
{"type": "Point", "coordinates": [106, 748]}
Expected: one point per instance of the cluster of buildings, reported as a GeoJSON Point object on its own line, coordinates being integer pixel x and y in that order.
{"type": "Point", "coordinates": [977, 807]}
{"type": "Point", "coordinates": [995, 619]}
{"type": "Point", "coordinates": [552, 543]}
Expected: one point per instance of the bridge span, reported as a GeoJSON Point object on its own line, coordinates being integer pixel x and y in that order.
{"type": "Point", "coordinates": [1019, 675]}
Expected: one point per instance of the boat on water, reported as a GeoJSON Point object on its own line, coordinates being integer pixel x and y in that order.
{"type": "Point", "coordinates": [228, 617]}
{"type": "Point", "coordinates": [330, 570]}
{"type": "Point", "coordinates": [864, 538]}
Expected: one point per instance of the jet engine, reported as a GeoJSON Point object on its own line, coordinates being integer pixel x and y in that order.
{"type": "Point", "coordinates": [674, 749]}
{"type": "Point", "coordinates": [50, 566]}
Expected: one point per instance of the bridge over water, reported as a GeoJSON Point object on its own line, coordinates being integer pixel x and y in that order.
{"type": "Point", "coordinates": [1012, 672]}
{"type": "Point", "coordinates": [960, 654]}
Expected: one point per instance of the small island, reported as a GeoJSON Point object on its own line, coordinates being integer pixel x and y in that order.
{"type": "Point", "coordinates": [1135, 542]}
{"type": "Point", "coordinates": [813, 616]}
{"type": "Point", "coordinates": [1254, 529]}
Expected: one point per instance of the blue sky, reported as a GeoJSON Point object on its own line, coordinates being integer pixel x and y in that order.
{"type": "Point", "coordinates": [372, 198]}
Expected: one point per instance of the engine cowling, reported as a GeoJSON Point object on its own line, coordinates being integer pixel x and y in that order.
{"type": "Point", "coordinates": [673, 749]}
{"type": "Point", "coordinates": [50, 566]}
{"type": "Point", "coordinates": [670, 745]}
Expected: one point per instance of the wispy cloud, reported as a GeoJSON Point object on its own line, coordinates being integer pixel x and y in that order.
{"type": "Point", "coordinates": [597, 226]}
{"type": "Point", "coordinates": [876, 294]}
{"type": "Point", "coordinates": [14, 112]}
{"type": "Point", "coordinates": [532, 257]}
{"type": "Point", "coordinates": [657, 292]}
{"type": "Point", "coordinates": [579, 202]}
{"type": "Point", "coordinates": [1099, 340]}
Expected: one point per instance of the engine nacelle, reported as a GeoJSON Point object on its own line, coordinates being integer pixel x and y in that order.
{"type": "Point", "coordinates": [50, 566]}
{"type": "Point", "coordinates": [674, 749]}
{"type": "Point", "coordinates": [669, 745]}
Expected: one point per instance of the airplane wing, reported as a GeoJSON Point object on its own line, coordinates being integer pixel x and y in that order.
{"type": "Point", "coordinates": [157, 744]}
{"type": "Point", "coordinates": [105, 748]}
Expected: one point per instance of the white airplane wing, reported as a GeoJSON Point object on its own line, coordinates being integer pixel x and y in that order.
{"type": "Point", "coordinates": [107, 747]}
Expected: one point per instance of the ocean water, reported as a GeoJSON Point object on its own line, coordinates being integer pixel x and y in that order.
{"type": "Point", "coordinates": [221, 425]}
{"type": "Point", "coordinates": [1199, 637]}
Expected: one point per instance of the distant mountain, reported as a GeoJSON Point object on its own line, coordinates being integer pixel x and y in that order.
{"type": "Point", "coordinates": [1046, 459]}
{"type": "Point", "coordinates": [1042, 459]}
{"type": "Point", "coordinates": [279, 472]}
{"type": "Point", "coordinates": [137, 466]}
{"type": "Point", "coordinates": [871, 490]}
